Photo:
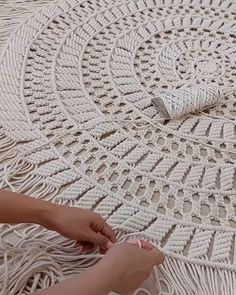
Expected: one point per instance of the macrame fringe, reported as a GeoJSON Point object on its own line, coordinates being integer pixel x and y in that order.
{"type": "Point", "coordinates": [42, 258]}
{"type": "Point", "coordinates": [181, 277]}
{"type": "Point", "coordinates": [16, 173]}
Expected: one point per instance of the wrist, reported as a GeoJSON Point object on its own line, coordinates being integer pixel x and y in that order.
{"type": "Point", "coordinates": [108, 273]}
{"type": "Point", "coordinates": [45, 213]}
{"type": "Point", "coordinates": [104, 278]}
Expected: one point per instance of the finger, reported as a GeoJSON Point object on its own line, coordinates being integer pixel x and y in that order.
{"type": "Point", "coordinates": [157, 256]}
{"type": "Point", "coordinates": [146, 245]}
{"type": "Point", "coordinates": [142, 244]}
{"type": "Point", "coordinates": [135, 243]}
{"type": "Point", "coordinates": [86, 246]}
{"type": "Point", "coordinates": [109, 233]}
{"type": "Point", "coordinates": [97, 239]}
{"type": "Point", "coordinates": [102, 250]}
{"type": "Point", "coordinates": [109, 245]}
{"type": "Point", "coordinates": [105, 229]}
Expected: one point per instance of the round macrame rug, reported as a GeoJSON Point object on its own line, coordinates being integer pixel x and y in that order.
{"type": "Point", "coordinates": [78, 127]}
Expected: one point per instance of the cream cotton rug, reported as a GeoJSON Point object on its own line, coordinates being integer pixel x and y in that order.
{"type": "Point", "coordinates": [78, 127]}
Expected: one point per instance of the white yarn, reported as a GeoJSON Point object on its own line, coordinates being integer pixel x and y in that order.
{"type": "Point", "coordinates": [189, 99]}
{"type": "Point", "coordinates": [78, 128]}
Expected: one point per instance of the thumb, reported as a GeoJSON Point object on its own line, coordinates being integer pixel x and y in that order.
{"type": "Point", "coordinates": [97, 239]}
{"type": "Point", "coordinates": [157, 256]}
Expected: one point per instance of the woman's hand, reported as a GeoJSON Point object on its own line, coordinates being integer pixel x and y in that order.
{"type": "Point", "coordinates": [126, 266]}
{"type": "Point", "coordinates": [122, 270]}
{"type": "Point", "coordinates": [74, 223]}
{"type": "Point", "coordinates": [80, 225]}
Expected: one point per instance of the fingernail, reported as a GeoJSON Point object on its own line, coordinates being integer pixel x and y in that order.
{"type": "Point", "coordinates": [109, 244]}
{"type": "Point", "coordinates": [133, 242]}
